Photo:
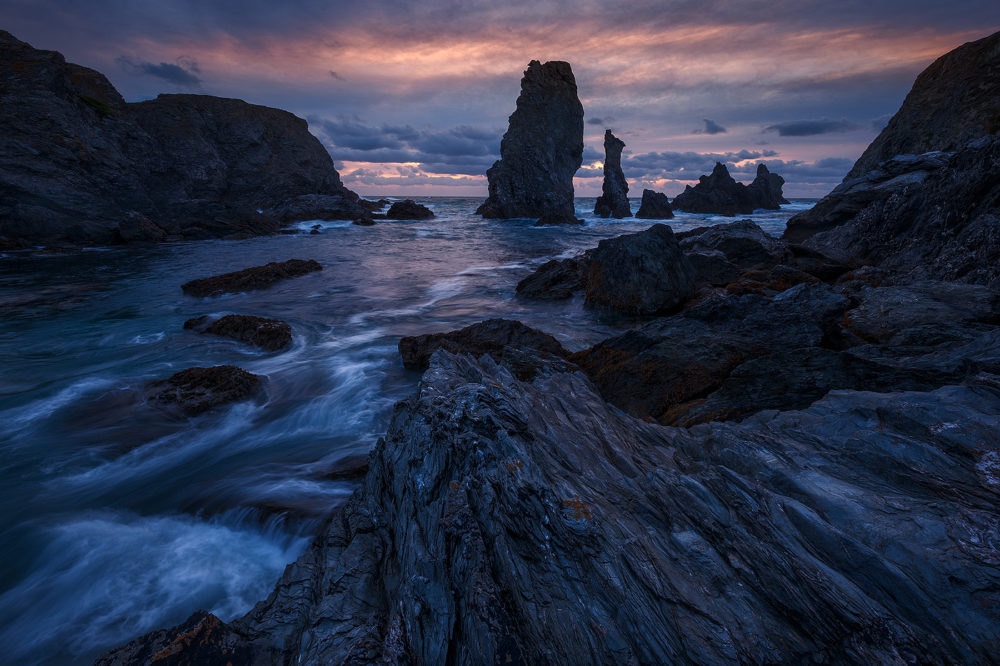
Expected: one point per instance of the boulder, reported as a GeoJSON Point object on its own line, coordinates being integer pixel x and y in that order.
{"type": "Point", "coordinates": [654, 206]}
{"type": "Point", "coordinates": [639, 274]}
{"type": "Point", "coordinates": [77, 162]}
{"type": "Point", "coordinates": [613, 201]}
{"type": "Point", "coordinates": [555, 280]}
{"type": "Point", "coordinates": [197, 390]}
{"type": "Point", "coordinates": [541, 150]}
{"type": "Point", "coordinates": [743, 243]}
{"type": "Point", "coordinates": [250, 279]}
{"type": "Point", "coordinates": [269, 334]}
{"type": "Point", "coordinates": [712, 268]}
{"type": "Point", "coordinates": [501, 339]}
{"type": "Point", "coordinates": [408, 210]}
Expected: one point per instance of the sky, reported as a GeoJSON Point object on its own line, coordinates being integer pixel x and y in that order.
{"type": "Point", "coordinates": [412, 98]}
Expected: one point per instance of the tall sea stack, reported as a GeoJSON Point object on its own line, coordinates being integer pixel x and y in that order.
{"type": "Point", "coordinates": [542, 149]}
{"type": "Point", "coordinates": [613, 201]}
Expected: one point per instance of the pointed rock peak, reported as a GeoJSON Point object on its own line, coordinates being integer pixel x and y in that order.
{"type": "Point", "coordinates": [762, 171]}
{"type": "Point", "coordinates": [720, 170]}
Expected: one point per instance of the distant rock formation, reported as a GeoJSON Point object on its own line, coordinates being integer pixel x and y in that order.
{"type": "Point", "coordinates": [720, 194]}
{"type": "Point", "coordinates": [408, 210]}
{"type": "Point", "coordinates": [613, 201]}
{"type": "Point", "coordinates": [654, 206]}
{"type": "Point", "coordinates": [954, 101]}
{"type": "Point", "coordinates": [542, 149]}
{"type": "Point", "coordinates": [80, 165]}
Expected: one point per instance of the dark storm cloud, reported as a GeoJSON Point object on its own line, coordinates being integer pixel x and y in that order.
{"type": "Point", "coordinates": [183, 73]}
{"type": "Point", "coordinates": [812, 127]}
{"type": "Point", "coordinates": [595, 121]}
{"type": "Point", "coordinates": [711, 127]}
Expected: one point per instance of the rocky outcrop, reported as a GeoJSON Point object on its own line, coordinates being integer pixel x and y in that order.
{"type": "Point", "coordinates": [654, 206]}
{"type": "Point", "coordinates": [250, 279]}
{"type": "Point", "coordinates": [555, 280]}
{"type": "Point", "coordinates": [269, 334]}
{"type": "Point", "coordinates": [197, 390]}
{"type": "Point", "coordinates": [78, 163]}
{"type": "Point", "coordinates": [934, 216]}
{"type": "Point", "coordinates": [317, 207]}
{"type": "Point", "coordinates": [613, 201]}
{"type": "Point", "coordinates": [720, 194]}
{"type": "Point", "coordinates": [542, 149]}
{"type": "Point", "coordinates": [504, 340]}
{"type": "Point", "coordinates": [954, 101]}
{"type": "Point", "coordinates": [556, 220]}
{"type": "Point", "coordinates": [408, 210]}
{"type": "Point", "coordinates": [504, 521]}
{"type": "Point", "coordinates": [639, 274]}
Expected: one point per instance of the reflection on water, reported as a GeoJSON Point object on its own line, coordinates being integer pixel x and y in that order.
{"type": "Point", "coordinates": [116, 517]}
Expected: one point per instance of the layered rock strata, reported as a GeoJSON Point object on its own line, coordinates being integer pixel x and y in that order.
{"type": "Point", "coordinates": [541, 150]}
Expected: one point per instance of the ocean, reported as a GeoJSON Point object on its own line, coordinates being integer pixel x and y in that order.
{"type": "Point", "coordinates": [116, 517]}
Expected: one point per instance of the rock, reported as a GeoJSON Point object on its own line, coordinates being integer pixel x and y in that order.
{"type": "Point", "coordinates": [555, 280]}
{"type": "Point", "coordinates": [639, 274]}
{"type": "Point", "coordinates": [769, 281]}
{"type": "Point", "coordinates": [655, 371]}
{"type": "Point", "coordinates": [372, 206]}
{"type": "Point", "coordinates": [249, 279]}
{"type": "Point", "coordinates": [366, 219]}
{"type": "Point", "coordinates": [542, 149]}
{"type": "Point", "coordinates": [953, 102]}
{"type": "Point", "coordinates": [197, 390]}
{"type": "Point", "coordinates": [77, 162]}
{"type": "Point", "coordinates": [654, 206]}
{"type": "Point", "coordinates": [137, 228]}
{"type": "Point", "coordinates": [408, 210]}
{"type": "Point", "coordinates": [496, 337]}
{"type": "Point", "coordinates": [317, 207]}
{"type": "Point", "coordinates": [504, 521]}
{"type": "Point", "coordinates": [743, 243]}
{"type": "Point", "coordinates": [269, 334]}
{"type": "Point", "coordinates": [765, 190]}
{"type": "Point", "coordinates": [613, 201]}
{"type": "Point", "coordinates": [712, 268]}
{"type": "Point", "coordinates": [556, 220]}
{"type": "Point", "coordinates": [942, 226]}
{"type": "Point", "coordinates": [719, 194]}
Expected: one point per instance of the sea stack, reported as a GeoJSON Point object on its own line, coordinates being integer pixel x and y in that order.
{"type": "Point", "coordinates": [765, 190]}
{"type": "Point", "coordinates": [542, 149]}
{"type": "Point", "coordinates": [654, 206]}
{"type": "Point", "coordinates": [613, 201]}
{"type": "Point", "coordinates": [720, 194]}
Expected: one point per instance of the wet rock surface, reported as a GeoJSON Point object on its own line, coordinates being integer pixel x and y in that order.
{"type": "Point", "coordinates": [613, 201]}
{"type": "Point", "coordinates": [555, 280]}
{"type": "Point", "coordinates": [654, 206]}
{"type": "Point", "coordinates": [557, 220]}
{"type": "Point", "coordinates": [542, 148]}
{"type": "Point", "coordinates": [408, 210]}
{"type": "Point", "coordinates": [639, 274]}
{"type": "Point", "coordinates": [317, 207]}
{"type": "Point", "coordinates": [249, 279]}
{"type": "Point", "coordinates": [269, 334]}
{"type": "Point", "coordinates": [77, 161]}
{"type": "Point", "coordinates": [504, 340]}
{"type": "Point", "coordinates": [197, 390]}
{"type": "Point", "coordinates": [719, 194]}
{"type": "Point", "coordinates": [531, 522]}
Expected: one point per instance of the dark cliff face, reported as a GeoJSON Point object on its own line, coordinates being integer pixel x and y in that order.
{"type": "Point", "coordinates": [542, 149]}
{"type": "Point", "coordinates": [76, 160]}
{"type": "Point", "coordinates": [955, 100]}
{"type": "Point", "coordinates": [613, 201]}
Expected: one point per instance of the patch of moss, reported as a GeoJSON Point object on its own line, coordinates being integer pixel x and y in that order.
{"type": "Point", "coordinates": [103, 109]}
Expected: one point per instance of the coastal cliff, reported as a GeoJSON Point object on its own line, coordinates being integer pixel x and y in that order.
{"type": "Point", "coordinates": [80, 165]}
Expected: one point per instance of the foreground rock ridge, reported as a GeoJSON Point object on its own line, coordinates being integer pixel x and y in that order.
{"type": "Point", "coordinates": [541, 150]}
{"type": "Point", "coordinates": [80, 165]}
{"type": "Point", "coordinates": [613, 201]}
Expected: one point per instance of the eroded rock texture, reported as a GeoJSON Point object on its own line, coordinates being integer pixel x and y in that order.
{"type": "Point", "coordinates": [504, 521]}
{"type": "Point", "coordinates": [80, 165]}
{"type": "Point", "coordinates": [249, 279]}
{"type": "Point", "coordinates": [269, 334]}
{"type": "Point", "coordinates": [613, 201]}
{"type": "Point", "coordinates": [197, 390]}
{"type": "Point", "coordinates": [542, 149]}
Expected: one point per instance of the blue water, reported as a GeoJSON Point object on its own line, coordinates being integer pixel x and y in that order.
{"type": "Point", "coordinates": [117, 518]}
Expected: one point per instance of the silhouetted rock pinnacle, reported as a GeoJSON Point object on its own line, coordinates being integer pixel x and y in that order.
{"type": "Point", "coordinates": [542, 149]}
{"type": "Point", "coordinates": [613, 201]}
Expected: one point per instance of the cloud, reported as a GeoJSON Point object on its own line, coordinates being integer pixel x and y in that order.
{"type": "Point", "coordinates": [711, 127]}
{"type": "Point", "coordinates": [812, 127]}
{"type": "Point", "coordinates": [684, 165]}
{"type": "Point", "coordinates": [183, 73]}
{"type": "Point", "coordinates": [595, 121]}
{"type": "Point", "coordinates": [334, 75]}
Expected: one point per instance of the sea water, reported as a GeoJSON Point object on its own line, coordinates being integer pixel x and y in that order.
{"type": "Point", "coordinates": [116, 517]}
